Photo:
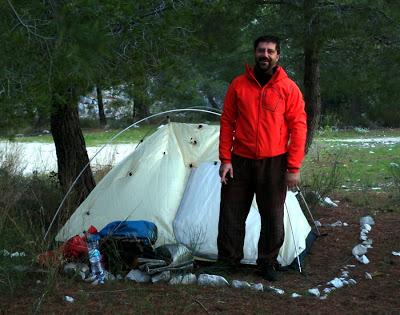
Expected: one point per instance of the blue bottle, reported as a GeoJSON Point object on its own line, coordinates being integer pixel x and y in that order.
{"type": "Point", "coordinates": [95, 258]}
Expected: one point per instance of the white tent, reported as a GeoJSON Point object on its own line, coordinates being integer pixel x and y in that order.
{"type": "Point", "coordinates": [171, 179]}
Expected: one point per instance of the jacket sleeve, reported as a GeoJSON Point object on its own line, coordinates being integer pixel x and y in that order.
{"type": "Point", "coordinates": [296, 120]}
{"type": "Point", "coordinates": [228, 125]}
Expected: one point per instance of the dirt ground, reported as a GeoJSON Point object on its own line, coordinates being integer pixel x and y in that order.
{"type": "Point", "coordinates": [329, 255]}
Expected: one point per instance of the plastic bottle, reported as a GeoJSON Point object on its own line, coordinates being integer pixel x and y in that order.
{"type": "Point", "coordinates": [95, 258]}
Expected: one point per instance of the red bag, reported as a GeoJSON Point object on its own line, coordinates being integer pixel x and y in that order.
{"type": "Point", "coordinates": [75, 247]}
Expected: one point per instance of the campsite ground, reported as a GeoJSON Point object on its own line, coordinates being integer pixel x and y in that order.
{"type": "Point", "coordinates": [362, 182]}
{"type": "Point", "coordinates": [330, 254]}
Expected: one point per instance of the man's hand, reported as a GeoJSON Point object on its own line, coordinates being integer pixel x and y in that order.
{"type": "Point", "coordinates": [223, 171]}
{"type": "Point", "coordinates": [292, 180]}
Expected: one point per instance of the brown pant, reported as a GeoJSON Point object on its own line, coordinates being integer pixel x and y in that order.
{"type": "Point", "coordinates": [266, 179]}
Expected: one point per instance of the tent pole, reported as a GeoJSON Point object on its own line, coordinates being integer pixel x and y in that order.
{"type": "Point", "coordinates": [294, 239]}
{"type": "Point", "coordinates": [308, 209]}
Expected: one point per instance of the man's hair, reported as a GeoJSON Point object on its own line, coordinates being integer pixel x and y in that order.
{"type": "Point", "coordinates": [269, 39]}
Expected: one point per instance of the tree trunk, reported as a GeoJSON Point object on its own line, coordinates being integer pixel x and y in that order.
{"type": "Point", "coordinates": [213, 102]}
{"type": "Point", "coordinates": [140, 110]}
{"type": "Point", "coordinates": [102, 116]}
{"type": "Point", "coordinates": [312, 93]}
{"type": "Point", "coordinates": [71, 150]}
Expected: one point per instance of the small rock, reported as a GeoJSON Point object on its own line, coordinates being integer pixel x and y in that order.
{"type": "Point", "coordinates": [395, 253]}
{"type": "Point", "coordinates": [337, 283]}
{"type": "Point", "coordinates": [352, 281]}
{"type": "Point", "coordinates": [329, 290]}
{"type": "Point", "coordinates": [345, 224]}
{"type": "Point", "coordinates": [161, 277]}
{"type": "Point", "coordinates": [257, 287]}
{"type": "Point", "coordinates": [324, 297]}
{"type": "Point", "coordinates": [328, 202]}
{"type": "Point", "coordinates": [359, 250]}
{"type": "Point", "coordinates": [368, 276]}
{"type": "Point", "coordinates": [237, 284]}
{"type": "Point", "coordinates": [212, 280]}
{"type": "Point", "coordinates": [366, 226]}
{"type": "Point", "coordinates": [69, 299]}
{"type": "Point", "coordinates": [137, 276]}
{"type": "Point", "coordinates": [314, 292]}
{"type": "Point", "coordinates": [189, 278]}
{"type": "Point", "coordinates": [295, 295]}
{"type": "Point", "coordinates": [363, 259]}
{"type": "Point", "coordinates": [367, 242]}
{"type": "Point", "coordinates": [17, 254]}
{"type": "Point", "coordinates": [276, 290]}
{"type": "Point", "coordinates": [345, 274]}
{"type": "Point", "coordinates": [367, 220]}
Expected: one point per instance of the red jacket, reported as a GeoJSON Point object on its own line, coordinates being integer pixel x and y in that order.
{"type": "Point", "coordinates": [259, 122]}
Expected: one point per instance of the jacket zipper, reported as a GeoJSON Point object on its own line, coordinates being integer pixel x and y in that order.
{"type": "Point", "coordinates": [258, 120]}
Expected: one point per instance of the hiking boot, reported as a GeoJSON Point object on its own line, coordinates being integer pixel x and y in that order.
{"type": "Point", "coordinates": [269, 273]}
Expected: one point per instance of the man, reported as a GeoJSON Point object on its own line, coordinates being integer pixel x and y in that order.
{"type": "Point", "coordinates": [262, 140]}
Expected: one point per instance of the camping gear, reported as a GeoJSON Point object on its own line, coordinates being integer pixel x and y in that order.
{"type": "Point", "coordinates": [144, 231]}
{"type": "Point", "coordinates": [176, 257]}
{"type": "Point", "coordinates": [171, 179]}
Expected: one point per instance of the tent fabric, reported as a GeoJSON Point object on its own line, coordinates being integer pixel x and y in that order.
{"type": "Point", "coordinates": [200, 205]}
{"type": "Point", "coordinates": [149, 184]}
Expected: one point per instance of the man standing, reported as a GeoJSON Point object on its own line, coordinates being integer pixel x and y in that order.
{"type": "Point", "coordinates": [262, 140]}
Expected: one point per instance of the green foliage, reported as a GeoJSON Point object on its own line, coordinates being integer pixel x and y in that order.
{"type": "Point", "coordinates": [322, 174]}
{"type": "Point", "coordinates": [395, 172]}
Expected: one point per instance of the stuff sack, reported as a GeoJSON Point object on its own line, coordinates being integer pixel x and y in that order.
{"type": "Point", "coordinates": [144, 231]}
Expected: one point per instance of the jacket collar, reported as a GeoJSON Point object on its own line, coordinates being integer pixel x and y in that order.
{"type": "Point", "coordinates": [277, 76]}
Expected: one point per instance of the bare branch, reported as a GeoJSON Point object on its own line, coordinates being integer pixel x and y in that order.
{"type": "Point", "coordinates": [27, 27]}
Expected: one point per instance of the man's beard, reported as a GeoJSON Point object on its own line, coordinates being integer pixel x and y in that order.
{"type": "Point", "coordinates": [266, 68]}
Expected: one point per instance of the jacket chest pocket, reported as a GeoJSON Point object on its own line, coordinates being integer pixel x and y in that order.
{"type": "Point", "coordinates": [272, 100]}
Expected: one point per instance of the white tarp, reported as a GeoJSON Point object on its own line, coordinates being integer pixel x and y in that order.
{"type": "Point", "coordinates": [149, 185]}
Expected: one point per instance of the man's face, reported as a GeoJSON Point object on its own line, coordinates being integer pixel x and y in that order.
{"type": "Point", "coordinates": [266, 56]}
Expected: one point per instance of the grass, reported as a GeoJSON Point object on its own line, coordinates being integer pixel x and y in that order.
{"type": "Point", "coordinates": [328, 133]}
{"type": "Point", "coordinates": [361, 166]}
{"type": "Point", "coordinates": [347, 171]}
{"type": "Point", "coordinates": [97, 137]}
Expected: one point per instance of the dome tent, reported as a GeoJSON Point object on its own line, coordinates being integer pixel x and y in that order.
{"type": "Point", "coordinates": [171, 179]}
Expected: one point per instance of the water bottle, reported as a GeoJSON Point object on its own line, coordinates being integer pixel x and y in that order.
{"type": "Point", "coordinates": [95, 258]}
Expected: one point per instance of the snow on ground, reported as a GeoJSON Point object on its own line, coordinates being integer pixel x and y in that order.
{"type": "Point", "coordinates": [41, 157]}
{"type": "Point", "coordinates": [382, 140]}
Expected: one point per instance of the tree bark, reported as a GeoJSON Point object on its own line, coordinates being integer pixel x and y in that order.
{"type": "Point", "coordinates": [100, 104]}
{"type": "Point", "coordinates": [71, 150]}
{"type": "Point", "coordinates": [312, 93]}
